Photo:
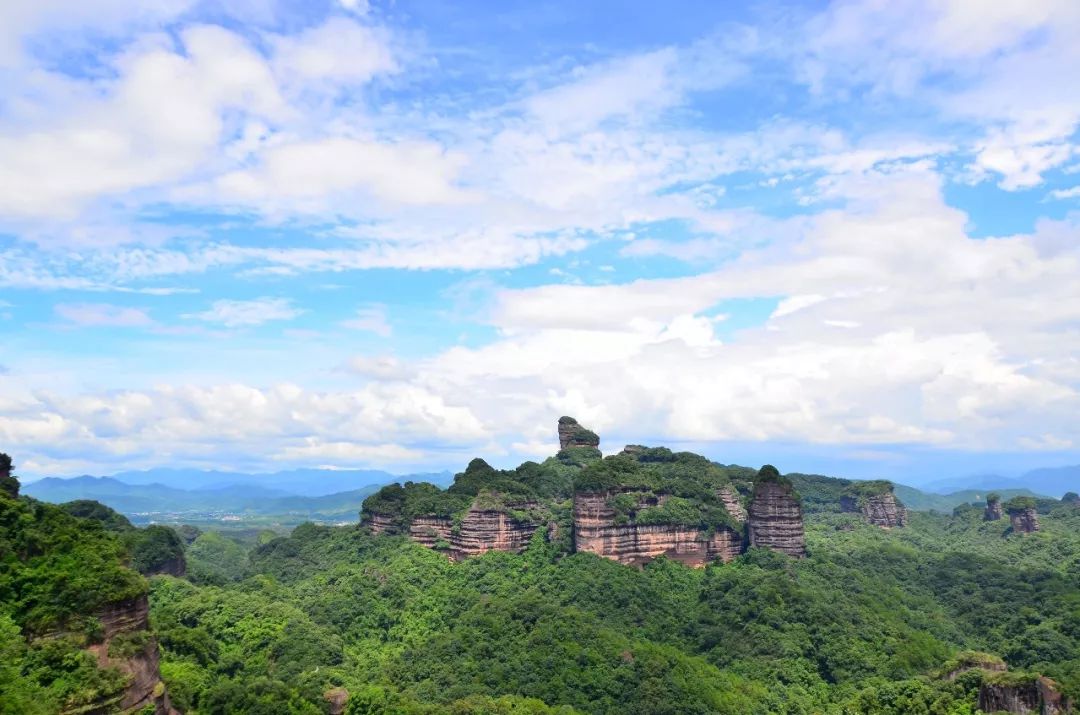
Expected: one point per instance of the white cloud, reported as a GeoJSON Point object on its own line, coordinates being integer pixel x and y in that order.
{"type": "Point", "coordinates": [243, 313]}
{"type": "Point", "coordinates": [340, 50]}
{"type": "Point", "coordinates": [1071, 193]}
{"type": "Point", "coordinates": [102, 315]}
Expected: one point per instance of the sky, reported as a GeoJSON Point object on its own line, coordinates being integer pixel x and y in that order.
{"type": "Point", "coordinates": [839, 237]}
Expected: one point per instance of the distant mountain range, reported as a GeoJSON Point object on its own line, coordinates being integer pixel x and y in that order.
{"type": "Point", "coordinates": [301, 482]}
{"type": "Point", "coordinates": [1053, 481]}
{"type": "Point", "coordinates": [321, 495]}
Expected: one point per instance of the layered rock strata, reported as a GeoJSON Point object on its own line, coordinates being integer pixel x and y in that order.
{"type": "Point", "coordinates": [572, 434]}
{"type": "Point", "coordinates": [481, 530]}
{"type": "Point", "coordinates": [596, 531]}
{"type": "Point", "coordinates": [1024, 521]}
{"type": "Point", "coordinates": [731, 501]}
{"type": "Point", "coordinates": [129, 621]}
{"type": "Point", "coordinates": [1037, 696]}
{"type": "Point", "coordinates": [380, 523]}
{"type": "Point", "coordinates": [993, 511]}
{"type": "Point", "coordinates": [878, 509]}
{"type": "Point", "coordinates": [775, 519]}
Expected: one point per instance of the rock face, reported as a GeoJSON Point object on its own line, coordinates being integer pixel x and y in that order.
{"type": "Point", "coordinates": [993, 512]}
{"type": "Point", "coordinates": [775, 519]}
{"type": "Point", "coordinates": [176, 566]}
{"type": "Point", "coordinates": [1038, 696]}
{"type": "Point", "coordinates": [878, 509]}
{"type": "Point", "coordinates": [595, 531]}
{"type": "Point", "coordinates": [731, 501]}
{"type": "Point", "coordinates": [127, 623]}
{"type": "Point", "coordinates": [572, 434]}
{"type": "Point", "coordinates": [380, 523]}
{"type": "Point", "coordinates": [481, 530]}
{"type": "Point", "coordinates": [1024, 521]}
{"type": "Point", "coordinates": [336, 699]}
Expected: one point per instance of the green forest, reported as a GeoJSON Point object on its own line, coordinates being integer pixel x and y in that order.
{"type": "Point", "coordinates": [878, 621]}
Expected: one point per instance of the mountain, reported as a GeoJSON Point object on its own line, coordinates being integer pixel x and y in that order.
{"type": "Point", "coordinates": [159, 500]}
{"type": "Point", "coordinates": [301, 482]}
{"type": "Point", "coordinates": [924, 501]}
{"type": "Point", "coordinates": [1054, 481]}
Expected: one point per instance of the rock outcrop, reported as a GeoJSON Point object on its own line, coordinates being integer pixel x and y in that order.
{"type": "Point", "coordinates": [596, 531]}
{"type": "Point", "coordinates": [1022, 696]}
{"type": "Point", "coordinates": [1025, 521]}
{"type": "Point", "coordinates": [480, 531]}
{"type": "Point", "coordinates": [336, 700]}
{"type": "Point", "coordinates": [380, 523]}
{"type": "Point", "coordinates": [572, 434]}
{"type": "Point", "coordinates": [731, 501]}
{"type": "Point", "coordinates": [775, 515]}
{"type": "Point", "coordinates": [876, 502]}
{"type": "Point", "coordinates": [128, 646]}
{"type": "Point", "coordinates": [993, 511]}
{"type": "Point", "coordinates": [1022, 515]}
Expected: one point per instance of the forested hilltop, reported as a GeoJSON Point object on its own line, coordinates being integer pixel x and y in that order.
{"type": "Point", "coordinates": [647, 581]}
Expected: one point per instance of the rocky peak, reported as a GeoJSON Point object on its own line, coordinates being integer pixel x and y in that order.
{"type": "Point", "coordinates": [775, 514]}
{"type": "Point", "coordinates": [877, 503]}
{"type": "Point", "coordinates": [1022, 515]}
{"type": "Point", "coordinates": [993, 511]}
{"type": "Point", "coordinates": [572, 434]}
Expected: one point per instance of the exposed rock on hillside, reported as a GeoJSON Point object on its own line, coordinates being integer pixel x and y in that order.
{"type": "Point", "coordinates": [481, 530]}
{"type": "Point", "coordinates": [128, 647]}
{"type": "Point", "coordinates": [993, 511]}
{"type": "Point", "coordinates": [1021, 694]}
{"type": "Point", "coordinates": [381, 523]}
{"type": "Point", "coordinates": [1022, 515]}
{"type": "Point", "coordinates": [337, 699]}
{"type": "Point", "coordinates": [876, 502]}
{"type": "Point", "coordinates": [596, 531]}
{"type": "Point", "coordinates": [572, 434]}
{"type": "Point", "coordinates": [775, 515]}
{"type": "Point", "coordinates": [732, 502]}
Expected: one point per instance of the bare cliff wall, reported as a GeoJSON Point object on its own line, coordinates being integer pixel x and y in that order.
{"type": "Point", "coordinates": [596, 531]}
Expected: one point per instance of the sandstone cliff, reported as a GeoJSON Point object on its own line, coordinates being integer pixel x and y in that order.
{"type": "Point", "coordinates": [730, 498]}
{"type": "Point", "coordinates": [1022, 515]}
{"type": "Point", "coordinates": [775, 515]}
{"type": "Point", "coordinates": [993, 512]}
{"type": "Point", "coordinates": [1021, 695]}
{"type": "Point", "coordinates": [1025, 521]}
{"type": "Point", "coordinates": [572, 434]}
{"type": "Point", "coordinates": [876, 502]}
{"type": "Point", "coordinates": [128, 646]}
{"type": "Point", "coordinates": [481, 530]}
{"type": "Point", "coordinates": [596, 531]}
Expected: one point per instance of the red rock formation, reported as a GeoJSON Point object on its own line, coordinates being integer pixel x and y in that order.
{"type": "Point", "coordinates": [1024, 521]}
{"type": "Point", "coordinates": [130, 620]}
{"type": "Point", "coordinates": [336, 699]}
{"type": "Point", "coordinates": [595, 531]}
{"type": "Point", "coordinates": [572, 434]}
{"type": "Point", "coordinates": [380, 523]}
{"type": "Point", "coordinates": [481, 530]}
{"type": "Point", "coordinates": [775, 519]}
{"type": "Point", "coordinates": [993, 511]}
{"type": "Point", "coordinates": [1038, 696]}
{"type": "Point", "coordinates": [878, 509]}
{"type": "Point", "coordinates": [731, 501]}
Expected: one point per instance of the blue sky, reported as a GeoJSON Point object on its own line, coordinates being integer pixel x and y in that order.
{"type": "Point", "coordinates": [836, 236]}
